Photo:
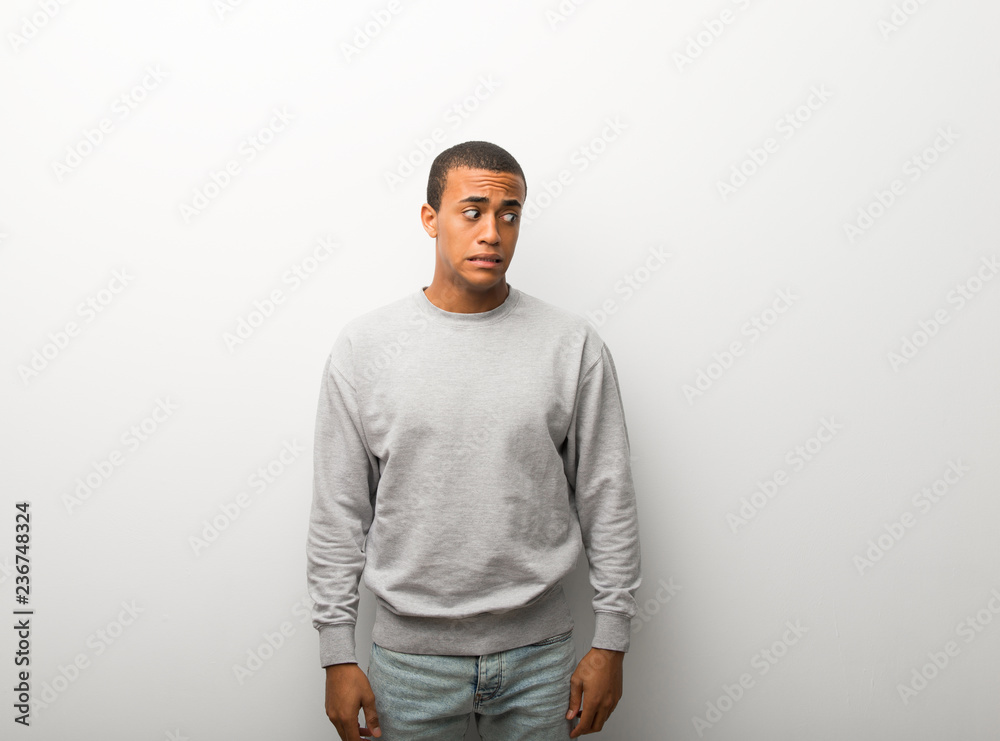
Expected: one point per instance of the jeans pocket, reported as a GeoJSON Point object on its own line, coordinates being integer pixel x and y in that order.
{"type": "Point", "coordinates": [555, 639]}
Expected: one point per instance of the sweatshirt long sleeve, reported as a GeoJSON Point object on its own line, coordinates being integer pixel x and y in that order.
{"type": "Point", "coordinates": [461, 464]}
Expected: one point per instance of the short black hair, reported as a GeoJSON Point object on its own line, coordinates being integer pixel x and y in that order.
{"type": "Point", "coordinates": [476, 155]}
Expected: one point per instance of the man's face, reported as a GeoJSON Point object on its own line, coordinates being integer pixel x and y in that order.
{"type": "Point", "coordinates": [480, 214]}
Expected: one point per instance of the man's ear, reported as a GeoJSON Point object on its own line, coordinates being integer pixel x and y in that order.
{"type": "Point", "coordinates": [428, 217]}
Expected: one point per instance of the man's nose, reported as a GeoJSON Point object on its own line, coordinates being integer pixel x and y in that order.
{"type": "Point", "coordinates": [490, 233]}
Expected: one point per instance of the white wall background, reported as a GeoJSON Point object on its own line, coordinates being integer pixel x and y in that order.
{"type": "Point", "coordinates": [881, 579]}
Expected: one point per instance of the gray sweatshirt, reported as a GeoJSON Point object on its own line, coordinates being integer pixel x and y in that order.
{"type": "Point", "coordinates": [462, 462]}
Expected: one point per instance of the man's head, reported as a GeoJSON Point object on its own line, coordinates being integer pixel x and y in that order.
{"type": "Point", "coordinates": [475, 156]}
{"type": "Point", "coordinates": [475, 193]}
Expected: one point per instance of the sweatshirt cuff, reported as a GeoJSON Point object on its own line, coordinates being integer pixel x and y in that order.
{"type": "Point", "coordinates": [612, 630]}
{"type": "Point", "coordinates": [336, 644]}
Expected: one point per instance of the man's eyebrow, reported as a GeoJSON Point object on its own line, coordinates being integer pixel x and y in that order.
{"type": "Point", "coordinates": [484, 199]}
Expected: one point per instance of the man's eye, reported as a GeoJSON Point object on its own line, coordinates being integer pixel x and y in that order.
{"type": "Point", "coordinates": [513, 218]}
{"type": "Point", "coordinates": [471, 210]}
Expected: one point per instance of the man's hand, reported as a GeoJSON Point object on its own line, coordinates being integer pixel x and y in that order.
{"type": "Point", "coordinates": [598, 677]}
{"type": "Point", "coordinates": [347, 690]}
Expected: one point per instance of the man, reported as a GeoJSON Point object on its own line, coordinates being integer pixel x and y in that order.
{"type": "Point", "coordinates": [470, 442]}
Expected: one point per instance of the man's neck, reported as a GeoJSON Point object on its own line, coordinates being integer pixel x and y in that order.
{"type": "Point", "coordinates": [461, 302]}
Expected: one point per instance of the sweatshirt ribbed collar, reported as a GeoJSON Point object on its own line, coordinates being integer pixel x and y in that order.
{"type": "Point", "coordinates": [437, 314]}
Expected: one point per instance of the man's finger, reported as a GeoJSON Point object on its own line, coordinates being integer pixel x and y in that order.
{"type": "Point", "coordinates": [586, 718]}
{"type": "Point", "coordinates": [575, 693]}
{"type": "Point", "coordinates": [371, 718]}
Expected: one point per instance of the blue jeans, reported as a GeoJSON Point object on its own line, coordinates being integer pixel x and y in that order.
{"type": "Point", "coordinates": [521, 694]}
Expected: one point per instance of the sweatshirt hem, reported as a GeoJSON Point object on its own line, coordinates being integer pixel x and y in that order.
{"type": "Point", "coordinates": [478, 635]}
